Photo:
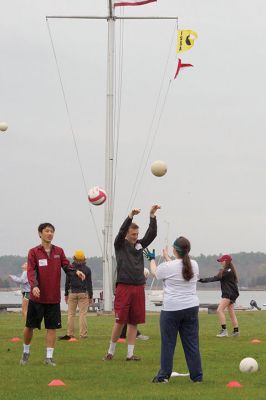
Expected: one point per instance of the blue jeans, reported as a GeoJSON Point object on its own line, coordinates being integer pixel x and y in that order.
{"type": "Point", "coordinates": [186, 323]}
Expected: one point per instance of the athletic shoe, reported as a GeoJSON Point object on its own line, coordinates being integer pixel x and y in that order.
{"type": "Point", "coordinates": [65, 337]}
{"type": "Point", "coordinates": [50, 361]}
{"type": "Point", "coordinates": [143, 337]}
{"type": "Point", "coordinates": [84, 337]}
{"type": "Point", "coordinates": [25, 358]}
{"type": "Point", "coordinates": [235, 334]}
{"type": "Point", "coordinates": [108, 357]}
{"type": "Point", "coordinates": [159, 380]}
{"type": "Point", "coordinates": [223, 333]}
{"type": "Point", "coordinates": [133, 358]}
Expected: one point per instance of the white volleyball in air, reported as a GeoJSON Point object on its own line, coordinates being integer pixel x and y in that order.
{"type": "Point", "coordinates": [146, 273]}
{"type": "Point", "coordinates": [159, 168]}
{"type": "Point", "coordinates": [248, 364]}
{"type": "Point", "coordinates": [97, 196]}
{"type": "Point", "coordinates": [3, 126]}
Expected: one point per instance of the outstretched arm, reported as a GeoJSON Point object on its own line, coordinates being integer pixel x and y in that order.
{"type": "Point", "coordinates": [17, 279]}
{"type": "Point", "coordinates": [153, 267]}
{"type": "Point", "coordinates": [166, 255]}
{"type": "Point", "coordinates": [151, 257]}
{"type": "Point", "coordinates": [151, 232]}
{"type": "Point", "coordinates": [215, 278]}
{"type": "Point", "coordinates": [67, 267]}
{"type": "Point", "coordinates": [119, 240]}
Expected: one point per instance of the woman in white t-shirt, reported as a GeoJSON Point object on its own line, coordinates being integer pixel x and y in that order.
{"type": "Point", "coordinates": [180, 310]}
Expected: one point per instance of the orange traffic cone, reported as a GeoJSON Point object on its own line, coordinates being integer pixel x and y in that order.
{"type": "Point", "coordinates": [233, 384]}
{"type": "Point", "coordinates": [56, 382]}
{"type": "Point", "coordinates": [15, 339]}
{"type": "Point", "coordinates": [255, 341]}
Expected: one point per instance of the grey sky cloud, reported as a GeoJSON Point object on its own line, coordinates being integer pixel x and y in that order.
{"type": "Point", "coordinates": [211, 133]}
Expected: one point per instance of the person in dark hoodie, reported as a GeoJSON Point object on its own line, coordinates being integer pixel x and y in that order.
{"type": "Point", "coordinates": [78, 294]}
{"type": "Point", "coordinates": [129, 302]}
{"type": "Point", "coordinates": [228, 279]}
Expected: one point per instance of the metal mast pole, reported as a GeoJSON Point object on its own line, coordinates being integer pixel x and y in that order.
{"type": "Point", "coordinates": [109, 160]}
{"type": "Point", "coordinates": [109, 146]}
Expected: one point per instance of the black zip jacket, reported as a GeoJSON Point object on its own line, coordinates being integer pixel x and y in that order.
{"type": "Point", "coordinates": [75, 284]}
{"type": "Point", "coordinates": [129, 258]}
{"type": "Point", "coordinates": [228, 283]}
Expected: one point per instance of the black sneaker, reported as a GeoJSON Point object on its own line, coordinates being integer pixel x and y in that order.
{"type": "Point", "coordinates": [108, 357]}
{"type": "Point", "coordinates": [159, 380]}
{"type": "Point", "coordinates": [24, 359]}
{"type": "Point", "coordinates": [65, 337]}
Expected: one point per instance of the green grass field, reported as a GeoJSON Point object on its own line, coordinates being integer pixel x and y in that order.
{"type": "Point", "coordinates": [86, 376]}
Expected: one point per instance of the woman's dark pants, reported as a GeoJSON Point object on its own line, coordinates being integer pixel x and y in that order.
{"type": "Point", "coordinates": [185, 322]}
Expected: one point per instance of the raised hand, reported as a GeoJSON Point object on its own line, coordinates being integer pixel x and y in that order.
{"type": "Point", "coordinates": [148, 254]}
{"type": "Point", "coordinates": [165, 254]}
{"type": "Point", "coordinates": [153, 209]}
{"type": "Point", "coordinates": [135, 211]}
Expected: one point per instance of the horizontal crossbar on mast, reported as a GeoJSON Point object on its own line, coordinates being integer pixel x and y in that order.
{"type": "Point", "coordinates": [96, 17]}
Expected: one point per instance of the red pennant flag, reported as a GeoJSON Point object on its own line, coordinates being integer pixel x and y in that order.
{"type": "Point", "coordinates": [180, 65]}
{"type": "Point", "coordinates": [133, 3]}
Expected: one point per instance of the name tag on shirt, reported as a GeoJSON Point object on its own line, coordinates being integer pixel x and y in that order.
{"type": "Point", "coordinates": [43, 263]}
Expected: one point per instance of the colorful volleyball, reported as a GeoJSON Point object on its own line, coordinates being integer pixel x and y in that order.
{"type": "Point", "coordinates": [97, 196]}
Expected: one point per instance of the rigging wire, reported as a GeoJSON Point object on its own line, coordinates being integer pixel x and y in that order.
{"type": "Point", "coordinates": [72, 130]}
{"type": "Point", "coordinates": [119, 95]}
{"type": "Point", "coordinates": [150, 131]}
{"type": "Point", "coordinates": [152, 143]}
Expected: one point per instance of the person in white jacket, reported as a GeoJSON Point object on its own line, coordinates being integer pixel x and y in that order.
{"type": "Point", "coordinates": [25, 288]}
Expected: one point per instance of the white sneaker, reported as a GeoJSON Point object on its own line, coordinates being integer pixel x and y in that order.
{"type": "Point", "coordinates": [24, 359]}
{"type": "Point", "coordinates": [143, 337]}
{"type": "Point", "coordinates": [223, 333]}
{"type": "Point", "coordinates": [235, 333]}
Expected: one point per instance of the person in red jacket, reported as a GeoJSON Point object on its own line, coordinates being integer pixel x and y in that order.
{"type": "Point", "coordinates": [44, 274]}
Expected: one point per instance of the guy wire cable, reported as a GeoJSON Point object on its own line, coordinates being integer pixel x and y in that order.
{"type": "Point", "coordinates": [72, 131]}
{"type": "Point", "coordinates": [153, 117]}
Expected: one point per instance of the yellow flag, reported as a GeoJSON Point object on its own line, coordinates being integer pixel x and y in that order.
{"type": "Point", "coordinates": [185, 40]}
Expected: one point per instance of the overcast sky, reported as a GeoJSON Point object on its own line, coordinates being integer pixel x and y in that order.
{"type": "Point", "coordinates": [211, 133]}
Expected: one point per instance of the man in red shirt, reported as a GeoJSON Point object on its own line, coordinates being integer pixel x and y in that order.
{"type": "Point", "coordinates": [44, 274]}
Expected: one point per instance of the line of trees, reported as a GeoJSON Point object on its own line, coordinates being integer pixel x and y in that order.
{"type": "Point", "coordinates": [251, 269]}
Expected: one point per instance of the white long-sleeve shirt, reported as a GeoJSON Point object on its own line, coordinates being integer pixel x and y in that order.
{"type": "Point", "coordinates": [23, 280]}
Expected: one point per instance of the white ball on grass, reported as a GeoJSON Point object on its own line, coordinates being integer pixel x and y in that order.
{"type": "Point", "coordinates": [248, 364]}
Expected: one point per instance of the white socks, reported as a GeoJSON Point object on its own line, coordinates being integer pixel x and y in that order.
{"type": "Point", "coordinates": [111, 349]}
{"type": "Point", "coordinates": [130, 350]}
{"type": "Point", "coordinates": [49, 352]}
{"type": "Point", "coordinates": [26, 348]}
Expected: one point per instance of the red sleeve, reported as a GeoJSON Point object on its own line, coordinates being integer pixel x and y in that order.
{"type": "Point", "coordinates": [32, 270]}
{"type": "Point", "coordinates": [65, 264]}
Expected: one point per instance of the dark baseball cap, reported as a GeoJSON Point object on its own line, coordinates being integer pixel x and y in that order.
{"type": "Point", "coordinates": [225, 257]}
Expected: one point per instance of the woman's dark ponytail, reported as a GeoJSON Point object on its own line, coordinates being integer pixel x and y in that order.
{"type": "Point", "coordinates": [182, 247]}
